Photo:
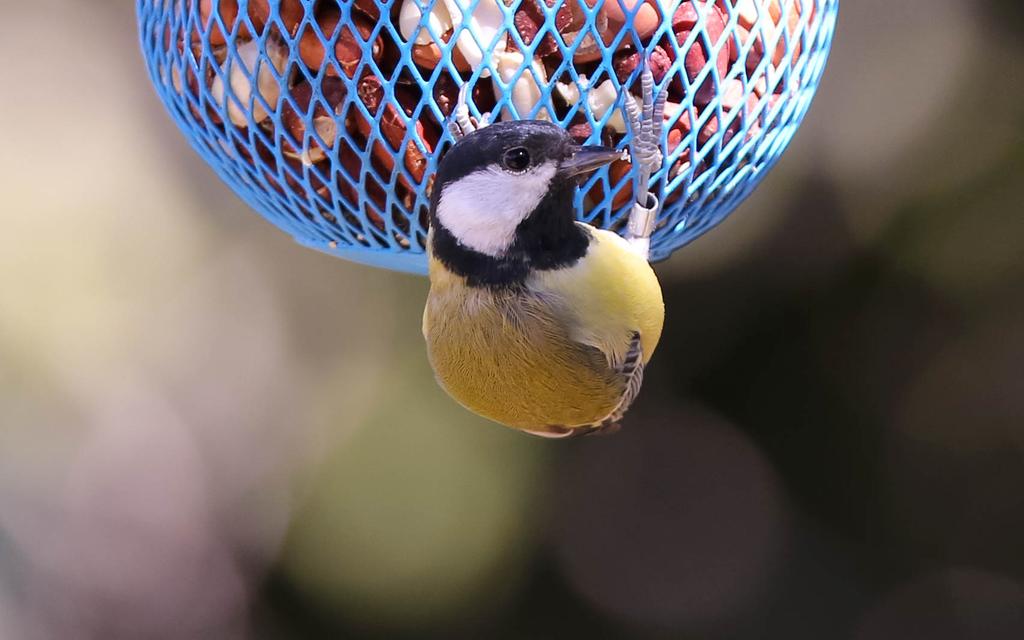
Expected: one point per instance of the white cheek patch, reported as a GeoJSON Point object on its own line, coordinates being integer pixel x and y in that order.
{"type": "Point", "coordinates": [483, 209]}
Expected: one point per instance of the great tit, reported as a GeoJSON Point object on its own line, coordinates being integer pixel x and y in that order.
{"type": "Point", "coordinates": [534, 320]}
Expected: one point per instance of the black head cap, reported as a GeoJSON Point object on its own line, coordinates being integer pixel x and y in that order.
{"type": "Point", "coordinates": [546, 235]}
{"type": "Point", "coordinates": [543, 141]}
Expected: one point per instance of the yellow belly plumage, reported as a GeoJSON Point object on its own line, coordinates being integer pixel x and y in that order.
{"type": "Point", "coordinates": [545, 357]}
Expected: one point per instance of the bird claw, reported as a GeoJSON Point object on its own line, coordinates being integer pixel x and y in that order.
{"type": "Point", "coordinates": [645, 123]}
{"type": "Point", "coordinates": [461, 123]}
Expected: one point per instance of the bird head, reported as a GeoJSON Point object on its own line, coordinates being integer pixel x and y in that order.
{"type": "Point", "coordinates": [508, 188]}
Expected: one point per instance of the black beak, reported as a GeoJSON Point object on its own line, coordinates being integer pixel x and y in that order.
{"type": "Point", "coordinates": [587, 159]}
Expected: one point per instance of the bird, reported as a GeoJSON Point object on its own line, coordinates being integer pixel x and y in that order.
{"type": "Point", "coordinates": [534, 320]}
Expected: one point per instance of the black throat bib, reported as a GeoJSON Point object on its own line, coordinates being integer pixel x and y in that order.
{"type": "Point", "coordinates": [548, 238]}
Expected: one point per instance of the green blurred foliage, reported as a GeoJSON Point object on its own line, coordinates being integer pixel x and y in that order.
{"type": "Point", "coordinates": [209, 431]}
{"type": "Point", "coordinates": [418, 523]}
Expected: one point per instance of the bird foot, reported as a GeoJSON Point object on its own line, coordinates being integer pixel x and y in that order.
{"type": "Point", "coordinates": [553, 432]}
{"type": "Point", "coordinates": [645, 118]}
{"type": "Point", "coordinates": [562, 433]}
{"type": "Point", "coordinates": [461, 123]}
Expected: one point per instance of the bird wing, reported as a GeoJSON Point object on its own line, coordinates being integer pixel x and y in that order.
{"type": "Point", "coordinates": [611, 302]}
{"type": "Point", "coordinates": [631, 372]}
{"type": "Point", "coordinates": [608, 296]}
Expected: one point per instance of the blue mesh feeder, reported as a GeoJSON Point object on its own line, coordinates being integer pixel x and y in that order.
{"type": "Point", "coordinates": [328, 116]}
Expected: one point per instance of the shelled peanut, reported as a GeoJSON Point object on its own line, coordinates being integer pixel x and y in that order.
{"type": "Point", "coordinates": [346, 80]}
{"type": "Point", "coordinates": [701, 35]}
{"type": "Point", "coordinates": [259, 12]}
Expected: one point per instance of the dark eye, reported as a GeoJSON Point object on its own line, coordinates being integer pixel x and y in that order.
{"type": "Point", "coordinates": [517, 159]}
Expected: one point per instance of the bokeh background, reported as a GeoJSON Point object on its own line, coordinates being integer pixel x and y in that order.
{"type": "Point", "coordinates": [207, 431]}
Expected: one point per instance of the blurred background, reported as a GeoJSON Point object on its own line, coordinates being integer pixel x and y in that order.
{"type": "Point", "coordinates": [208, 431]}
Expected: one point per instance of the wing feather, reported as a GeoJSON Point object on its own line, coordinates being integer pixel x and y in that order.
{"type": "Point", "coordinates": [632, 371]}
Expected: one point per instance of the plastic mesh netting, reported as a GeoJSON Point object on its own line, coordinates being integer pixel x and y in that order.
{"type": "Point", "coordinates": [327, 116]}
